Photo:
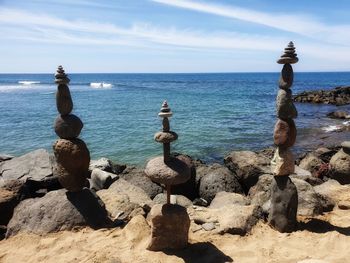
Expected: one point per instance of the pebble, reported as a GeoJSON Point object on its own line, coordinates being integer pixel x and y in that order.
{"type": "Point", "coordinates": [208, 226]}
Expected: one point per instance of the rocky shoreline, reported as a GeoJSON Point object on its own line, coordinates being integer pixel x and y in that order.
{"type": "Point", "coordinates": [338, 96]}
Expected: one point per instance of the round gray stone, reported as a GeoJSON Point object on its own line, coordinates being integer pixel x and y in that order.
{"type": "Point", "coordinates": [68, 126]}
{"type": "Point", "coordinates": [285, 106]}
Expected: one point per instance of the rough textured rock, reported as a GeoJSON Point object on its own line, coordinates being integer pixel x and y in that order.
{"type": "Point", "coordinates": [101, 179]}
{"type": "Point", "coordinates": [35, 166]}
{"type": "Point", "coordinates": [284, 204]}
{"type": "Point", "coordinates": [248, 166]}
{"type": "Point", "coordinates": [107, 165]}
{"type": "Point", "coordinates": [73, 158]}
{"type": "Point", "coordinates": [283, 162]}
{"type": "Point", "coordinates": [174, 199]}
{"type": "Point", "coordinates": [68, 126]}
{"type": "Point", "coordinates": [310, 163]}
{"type": "Point", "coordinates": [175, 171]}
{"type": "Point", "coordinates": [223, 199]}
{"type": "Point", "coordinates": [64, 101]}
{"type": "Point", "coordinates": [260, 193]}
{"type": "Point", "coordinates": [337, 96]}
{"type": "Point", "coordinates": [165, 137]}
{"type": "Point", "coordinates": [284, 105]}
{"type": "Point", "coordinates": [218, 178]}
{"type": "Point", "coordinates": [286, 78]}
{"type": "Point", "coordinates": [340, 167]}
{"type": "Point", "coordinates": [334, 191]}
{"type": "Point", "coordinates": [56, 211]}
{"type": "Point", "coordinates": [170, 225]}
{"type": "Point", "coordinates": [285, 133]}
{"type": "Point", "coordinates": [137, 177]}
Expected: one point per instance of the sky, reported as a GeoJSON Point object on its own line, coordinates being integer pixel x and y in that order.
{"type": "Point", "coordinates": [172, 36]}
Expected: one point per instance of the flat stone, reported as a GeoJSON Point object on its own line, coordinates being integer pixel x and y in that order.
{"type": "Point", "coordinates": [208, 226]}
{"type": "Point", "coordinates": [64, 101]}
{"type": "Point", "coordinates": [175, 171]}
{"type": "Point", "coordinates": [284, 105]}
{"type": "Point", "coordinates": [346, 146]}
{"type": "Point", "coordinates": [286, 78]}
{"type": "Point", "coordinates": [62, 81]}
{"type": "Point", "coordinates": [165, 114]}
{"type": "Point", "coordinates": [165, 137]}
{"type": "Point", "coordinates": [285, 133]}
{"type": "Point", "coordinates": [169, 225]}
{"type": "Point", "coordinates": [68, 126]}
{"type": "Point", "coordinates": [72, 163]}
{"type": "Point", "coordinates": [287, 60]}
{"type": "Point", "coordinates": [284, 204]}
{"type": "Point", "coordinates": [283, 162]}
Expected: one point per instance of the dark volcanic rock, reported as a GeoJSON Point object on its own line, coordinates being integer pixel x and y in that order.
{"type": "Point", "coordinates": [284, 204]}
{"type": "Point", "coordinates": [337, 96]}
{"type": "Point", "coordinates": [64, 100]}
{"type": "Point", "coordinates": [217, 178]}
{"type": "Point", "coordinates": [339, 115]}
{"type": "Point", "coordinates": [68, 126]}
{"type": "Point", "coordinates": [340, 167]}
{"type": "Point", "coordinates": [58, 210]}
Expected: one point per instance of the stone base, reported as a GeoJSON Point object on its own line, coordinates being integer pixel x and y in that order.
{"type": "Point", "coordinates": [284, 204]}
{"type": "Point", "coordinates": [170, 225]}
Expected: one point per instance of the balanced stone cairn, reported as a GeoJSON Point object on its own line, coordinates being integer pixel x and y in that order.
{"type": "Point", "coordinates": [284, 200]}
{"type": "Point", "coordinates": [170, 223]}
{"type": "Point", "coordinates": [71, 154]}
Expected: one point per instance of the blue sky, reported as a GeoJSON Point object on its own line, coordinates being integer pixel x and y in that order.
{"type": "Point", "coordinates": [172, 35]}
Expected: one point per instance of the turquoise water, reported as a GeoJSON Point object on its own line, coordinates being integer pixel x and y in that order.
{"type": "Point", "coordinates": [213, 113]}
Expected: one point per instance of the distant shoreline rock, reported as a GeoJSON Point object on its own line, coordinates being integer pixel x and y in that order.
{"type": "Point", "coordinates": [338, 96]}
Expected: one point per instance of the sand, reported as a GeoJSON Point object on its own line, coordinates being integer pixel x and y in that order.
{"type": "Point", "coordinates": [323, 239]}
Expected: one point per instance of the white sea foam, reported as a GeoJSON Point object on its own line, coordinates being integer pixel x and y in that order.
{"type": "Point", "coordinates": [100, 85]}
{"type": "Point", "coordinates": [28, 82]}
{"type": "Point", "coordinates": [332, 128]}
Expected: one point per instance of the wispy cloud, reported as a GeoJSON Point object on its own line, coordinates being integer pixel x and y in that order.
{"type": "Point", "coordinates": [299, 24]}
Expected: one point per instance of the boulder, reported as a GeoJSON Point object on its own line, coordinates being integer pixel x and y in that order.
{"type": "Point", "coordinates": [260, 193]}
{"type": "Point", "coordinates": [57, 211]}
{"type": "Point", "coordinates": [137, 177]}
{"type": "Point", "coordinates": [335, 192]}
{"type": "Point", "coordinates": [218, 178]}
{"type": "Point", "coordinates": [68, 126]}
{"type": "Point", "coordinates": [101, 179]}
{"type": "Point", "coordinates": [174, 199]}
{"type": "Point", "coordinates": [169, 225]}
{"type": "Point", "coordinates": [340, 167]}
{"type": "Point", "coordinates": [223, 199]}
{"type": "Point", "coordinates": [248, 166]}
{"type": "Point", "coordinates": [107, 165]}
{"type": "Point", "coordinates": [311, 162]}
{"type": "Point", "coordinates": [339, 115]}
{"type": "Point", "coordinates": [34, 166]}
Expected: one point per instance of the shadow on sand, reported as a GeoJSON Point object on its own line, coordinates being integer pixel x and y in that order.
{"type": "Point", "coordinates": [203, 252]}
{"type": "Point", "coordinates": [319, 226]}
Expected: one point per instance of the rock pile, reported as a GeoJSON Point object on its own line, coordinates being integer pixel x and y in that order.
{"type": "Point", "coordinates": [338, 96]}
{"type": "Point", "coordinates": [284, 199]}
{"type": "Point", "coordinates": [72, 155]}
{"type": "Point", "coordinates": [170, 223]}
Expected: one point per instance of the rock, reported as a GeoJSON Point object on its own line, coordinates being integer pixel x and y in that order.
{"type": "Point", "coordinates": [64, 100]}
{"type": "Point", "coordinates": [300, 172]}
{"type": "Point", "coordinates": [218, 178]}
{"type": "Point", "coordinates": [200, 202]}
{"type": "Point", "coordinates": [284, 204]}
{"type": "Point", "coordinates": [134, 193]}
{"type": "Point", "coordinates": [170, 225]}
{"type": "Point", "coordinates": [208, 226]}
{"type": "Point", "coordinates": [3, 230]}
{"type": "Point", "coordinates": [286, 78]}
{"type": "Point", "coordinates": [137, 177]}
{"type": "Point", "coordinates": [346, 147]}
{"type": "Point", "coordinates": [107, 165]}
{"type": "Point", "coordinates": [35, 166]}
{"type": "Point", "coordinates": [101, 179]}
{"type": "Point", "coordinates": [73, 158]}
{"type": "Point", "coordinates": [310, 162]}
{"type": "Point", "coordinates": [287, 60]}
{"type": "Point", "coordinates": [57, 211]}
{"type": "Point", "coordinates": [285, 133]}
{"type": "Point", "coordinates": [119, 206]}
{"type": "Point", "coordinates": [335, 192]}
{"type": "Point", "coordinates": [223, 199]}
{"type": "Point", "coordinates": [283, 162]}
{"type": "Point", "coordinates": [338, 115]}
{"type": "Point", "coordinates": [340, 167]}
{"type": "Point", "coordinates": [260, 193]}
{"type": "Point", "coordinates": [248, 166]}
{"type": "Point", "coordinates": [165, 137]}
{"type": "Point", "coordinates": [5, 157]}
{"type": "Point", "coordinates": [284, 105]}
{"type": "Point", "coordinates": [175, 171]}
{"type": "Point", "coordinates": [68, 126]}
{"type": "Point", "coordinates": [174, 199]}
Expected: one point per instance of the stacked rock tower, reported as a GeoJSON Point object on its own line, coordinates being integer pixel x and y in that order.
{"type": "Point", "coordinates": [284, 201]}
{"type": "Point", "coordinates": [72, 155]}
{"type": "Point", "coordinates": [170, 223]}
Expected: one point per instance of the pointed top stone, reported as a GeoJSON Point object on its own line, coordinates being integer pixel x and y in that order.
{"type": "Point", "coordinates": [61, 76]}
{"type": "Point", "coordinates": [289, 56]}
{"type": "Point", "coordinates": [165, 111]}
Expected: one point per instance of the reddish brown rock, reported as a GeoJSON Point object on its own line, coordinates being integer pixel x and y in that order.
{"type": "Point", "coordinates": [165, 137]}
{"type": "Point", "coordinates": [285, 133]}
{"type": "Point", "coordinates": [283, 162]}
{"type": "Point", "coordinates": [73, 158]}
{"type": "Point", "coordinates": [170, 225]}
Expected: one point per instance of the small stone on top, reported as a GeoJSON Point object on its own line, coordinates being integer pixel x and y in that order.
{"type": "Point", "coordinates": [165, 111]}
{"type": "Point", "coordinates": [289, 56]}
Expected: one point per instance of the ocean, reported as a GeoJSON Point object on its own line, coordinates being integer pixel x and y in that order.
{"type": "Point", "coordinates": [213, 114]}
